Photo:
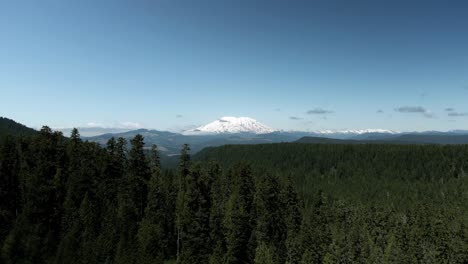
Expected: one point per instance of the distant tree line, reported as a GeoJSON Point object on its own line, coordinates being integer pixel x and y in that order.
{"type": "Point", "coordinates": [63, 200]}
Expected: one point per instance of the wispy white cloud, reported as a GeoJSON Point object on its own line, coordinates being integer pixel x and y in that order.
{"type": "Point", "coordinates": [118, 124]}
{"type": "Point", "coordinates": [94, 124]}
{"type": "Point", "coordinates": [128, 124]}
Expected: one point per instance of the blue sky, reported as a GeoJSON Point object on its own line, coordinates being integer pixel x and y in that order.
{"type": "Point", "coordinates": [300, 65]}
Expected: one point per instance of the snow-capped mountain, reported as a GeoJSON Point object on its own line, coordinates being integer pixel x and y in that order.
{"type": "Point", "coordinates": [231, 125]}
{"type": "Point", "coordinates": [356, 131]}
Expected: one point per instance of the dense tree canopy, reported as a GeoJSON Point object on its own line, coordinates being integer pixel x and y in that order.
{"type": "Point", "coordinates": [63, 200]}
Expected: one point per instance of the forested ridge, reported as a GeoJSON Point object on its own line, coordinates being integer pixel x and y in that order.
{"type": "Point", "coordinates": [64, 200]}
{"type": "Point", "coordinates": [10, 127]}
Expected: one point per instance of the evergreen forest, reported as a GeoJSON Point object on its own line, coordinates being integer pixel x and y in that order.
{"type": "Point", "coordinates": [67, 200]}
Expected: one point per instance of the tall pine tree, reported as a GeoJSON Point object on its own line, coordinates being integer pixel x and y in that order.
{"type": "Point", "coordinates": [152, 238]}
{"type": "Point", "coordinates": [184, 171]}
{"type": "Point", "coordinates": [238, 220]}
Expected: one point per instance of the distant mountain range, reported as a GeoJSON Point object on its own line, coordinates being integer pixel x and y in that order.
{"type": "Point", "coordinates": [231, 130]}
{"type": "Point", "coordinates": [170, 143]}
{"type": "Point", "coordinates": [444, 139]}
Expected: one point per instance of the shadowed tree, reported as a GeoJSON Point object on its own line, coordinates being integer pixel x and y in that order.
{"type": "Point", "coordinates": [184, 171]}
{"type": "Point", "coordinates": [238, 219]}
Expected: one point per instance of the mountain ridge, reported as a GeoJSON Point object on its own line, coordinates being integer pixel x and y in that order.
{"type": "Point", "coordinates": [170, 143]}
{"type": "Point", "coordinates": [11, 127]}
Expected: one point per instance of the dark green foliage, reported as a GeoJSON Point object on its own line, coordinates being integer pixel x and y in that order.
{"type": "Point", "coordinates": [239, 219]}
{"type": "Point", "coordinates": [219, 197]}
{"type": "Point", "coordinates": [270, 225]}
{"type": "Point", "coordinates": [375, 203]}
{"type": "Point", "coordinates": [9, 185]}
{"type": "Point", "coordinates": [127, 220]}
{"type": "Point", "coordinates": [10, 127]}
{"type": "Point", "coordinates": [34, 239]}
{"type": "Point", "coordinates": [291, 214]}
{"type": "Point", "coordinates": [79, 220]}
{"type": "Point", "coordinates": [183, 173]}
{"type": "Point", "coordinates": [138, 175]}
{"type": "Point", "coordinates": [265, 254]}
{"type": "Point", "coordinates": [132, 201]}
{"type": "Point", "coordinates": [69, 201]}
{"type": "Point", "coordinates": [109, 184]}
{"type": "Point", "coordinates": [194, 218]}
{"type": "Point", "coordinates": [380, 175]}
{"type": "Point", "coordinates": [155, 231]}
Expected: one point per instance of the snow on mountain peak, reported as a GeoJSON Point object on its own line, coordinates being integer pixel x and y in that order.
{"type": "Point", "coordinates": [356, 131]}
{"type": "Point", "coordinates": [229, 124]}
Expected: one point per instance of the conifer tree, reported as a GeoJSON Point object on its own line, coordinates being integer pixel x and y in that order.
{"type": "Point", "coordinates": [292, 217]}
{"type": "Point", "coordinates": [127, 219]}
{"type": "Point", "coordinates": [152, 238]}
{"type": "Point", "coordinates": [154, 160]}
{"type": "Point", "coordinates": [87, 218]}
{"type": "Point", "coordinates": [132, 202]}
{"type": "Point", "coordinates": [315, 230]}
{"type": "Point", "coordinates": [75, 180]}
{"type": "Point", "coordinates": [37, 229]}
{"type": "Point", "coordinates": [82, 189]}
{"type": "Point", "coordinates": [270, 226]}
{"type": "Point", "coordinates": [195, 215]}
{"type": "Point", "coordinates": [184, 171]}
{"type": "Point", "coordinates": [138, 175]}
{"type": "Point", "coordinates": [219, 196]}
{"type": "Point", "coordinates": [238, 220]}
{"type": "Point", "coordinates": [110, 186]}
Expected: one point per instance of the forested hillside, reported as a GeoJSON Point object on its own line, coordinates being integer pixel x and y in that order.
{"type": "Point", "coordinates": [69, 201]}
{"type": "Point", "coordinates": [10, 127]}
{"type": "Point", "coordinates": [382, 174]}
